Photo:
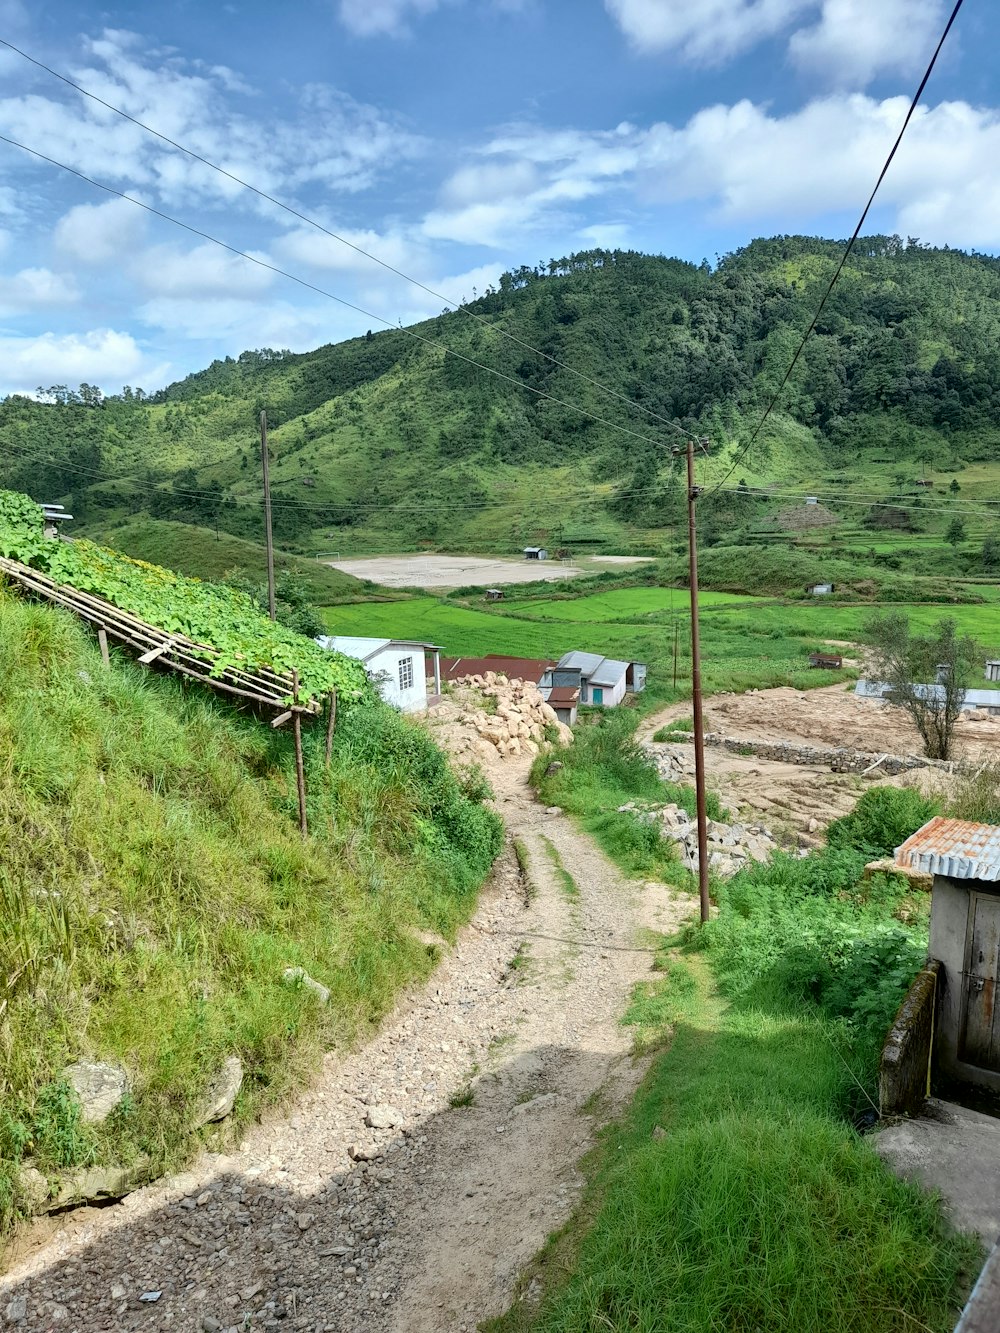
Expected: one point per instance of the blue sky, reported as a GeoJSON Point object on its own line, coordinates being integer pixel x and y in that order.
{"type": "Point", "coordinates": [453, 138]}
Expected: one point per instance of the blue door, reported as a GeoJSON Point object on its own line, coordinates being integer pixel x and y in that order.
{"type": "Point", "coordinates": [597, 694]}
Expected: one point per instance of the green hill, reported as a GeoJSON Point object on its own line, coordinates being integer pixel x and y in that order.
{"type": "Point", "coordinates": [385, 442]}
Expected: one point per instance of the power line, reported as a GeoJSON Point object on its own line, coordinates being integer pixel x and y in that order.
{"type": "Point", "coordinates": [850, 246]}
{"type": "Point", "coordinates": [342, 240]}
{"type": "Point", "coordinates": [321, 291]}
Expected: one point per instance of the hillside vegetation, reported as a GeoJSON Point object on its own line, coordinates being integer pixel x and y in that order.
{"type": "Point", "coordinates": [154, 888]}
{"type": "Point", "coordinates": [387, 442]}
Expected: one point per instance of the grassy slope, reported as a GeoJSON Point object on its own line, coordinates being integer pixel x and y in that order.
{"type": "Point", "coordinates": [203, 553]}
{"type": "Point", "coordinates": [154, 887]}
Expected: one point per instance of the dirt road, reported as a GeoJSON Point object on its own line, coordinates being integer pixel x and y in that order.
{"type": "Point", "coordinates": [485, 1084]}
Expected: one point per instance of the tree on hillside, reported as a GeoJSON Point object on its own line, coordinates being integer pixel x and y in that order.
{"type": "Point", "coordinates": [955, 533]}
{"type": "Point", "coordinates": [954, 487]}
{"type": "Point", "coordinates": [927, 673]}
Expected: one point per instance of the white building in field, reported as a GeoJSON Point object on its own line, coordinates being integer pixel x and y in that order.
{"type": "Point", "coordinates": [397, 666]}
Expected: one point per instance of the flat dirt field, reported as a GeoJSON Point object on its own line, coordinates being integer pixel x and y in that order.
{"type": "Point", "coordinates": [451, 571]}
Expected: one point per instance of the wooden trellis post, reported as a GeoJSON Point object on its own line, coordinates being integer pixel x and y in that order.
{"type": "Point", "coordinates": [300, 771]}
{"type": "Point", "coordinates": [331, 722]}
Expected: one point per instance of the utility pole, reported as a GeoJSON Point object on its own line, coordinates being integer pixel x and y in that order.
{"type": "Point", "coordinates": [267, 514]}
{"type": "Point", "coordinates": [699, 724]}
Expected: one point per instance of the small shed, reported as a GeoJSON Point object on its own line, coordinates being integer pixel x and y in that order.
{"type": "Point", "coordinates": [493, 595]}
{"type": "Point", "coordinates": [964, 858]}
{"type": "Point", "coordinates": [535, 553]}
{"type": "Point", "coordinates": [819, 589]}
{"type": "Point", "coordinates": [992, 669]}
{"type": "Point", "coordinates": [812, 499]}
{"type": "Point", "coordinates": [397, 666]}
{"type": "Point", "coordinates": [564, 699]}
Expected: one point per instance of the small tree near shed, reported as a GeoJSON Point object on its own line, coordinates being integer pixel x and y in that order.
{"type": "Point", "coordinates": [927, 674]}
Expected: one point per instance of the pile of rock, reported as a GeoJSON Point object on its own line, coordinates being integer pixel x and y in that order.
{"type": "Point", "coordinates": [516, 717]}
{"type": "Point", "coordinates": [730, 846]}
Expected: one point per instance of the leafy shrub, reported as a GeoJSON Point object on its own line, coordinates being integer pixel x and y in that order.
{"type": "Point", "coordinates": [882, 819]}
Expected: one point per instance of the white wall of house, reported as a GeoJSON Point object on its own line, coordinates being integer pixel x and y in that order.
{"type": "Point", "coordinates": [611, 695]}
{"type": "Point", "coordinates": [400, 671]}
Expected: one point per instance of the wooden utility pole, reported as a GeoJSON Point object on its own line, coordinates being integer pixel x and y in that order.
{"type": "Point", "coordinates": [267, 514]}
{"type": "Point", "coordinates": [699, 723]}
{"type": "Point", "coordinates": [300, 769]}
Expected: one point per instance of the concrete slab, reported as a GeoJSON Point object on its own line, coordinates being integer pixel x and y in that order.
{"type": "Point", "coordinates": [955, 1151]}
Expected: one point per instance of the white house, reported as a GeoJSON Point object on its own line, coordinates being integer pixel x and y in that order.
{"type": "Point", "coordinates": [396, 666]}
{"type": "Point", "coordinates": [602, 681]}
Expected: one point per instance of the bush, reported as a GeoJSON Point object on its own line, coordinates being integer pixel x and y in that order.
{"type": "Point", "coordinates": [883, 818]}
{"type": "Point", "coordinates": [978, 796]}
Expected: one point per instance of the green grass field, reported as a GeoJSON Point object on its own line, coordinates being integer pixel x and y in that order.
{"type": "Point", "coordinates": [746, 642]}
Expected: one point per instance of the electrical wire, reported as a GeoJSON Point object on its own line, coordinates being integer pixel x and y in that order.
{"type": "Point", "coordinates": [850, 246]}
{"type": "Point", "coordinates": [321, 291]}
{"type": "Point", "coordinates": [342, 240]}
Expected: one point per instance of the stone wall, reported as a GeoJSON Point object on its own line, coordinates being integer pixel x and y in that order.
{"type": "Point", "coordinates": [839, 760]}
{"type": "Point", "coordinates": [902, 1078]}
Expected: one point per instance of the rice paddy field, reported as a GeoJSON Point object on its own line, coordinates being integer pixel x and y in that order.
{"type": "Point", "coordinates": [747, 642]}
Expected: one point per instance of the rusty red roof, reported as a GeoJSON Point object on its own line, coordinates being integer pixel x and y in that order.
{"type": "Point", "coordinates": [957, 848]}
{"type": "Point", "coordinates": [514, 668]}
{"type": "Point", "coordinates": [563, 694]}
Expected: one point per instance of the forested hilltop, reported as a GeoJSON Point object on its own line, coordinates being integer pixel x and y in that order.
{"type": "Point", "coordinates": [389, 440]}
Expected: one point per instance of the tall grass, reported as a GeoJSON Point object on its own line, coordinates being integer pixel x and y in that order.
{"type": "Point", "coordinates": [606, 768]}
{"type": "Point", "coordinates": [154, 887]}
{"type": "Point", "coordinates": [736, 1195]}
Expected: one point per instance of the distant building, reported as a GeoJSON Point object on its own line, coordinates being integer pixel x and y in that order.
{"type": "Point", "coordinates": [564, 699]}
{"type": "Point", "coordinates": [398, 667]}
{"type": "Point", "coordinates": [820, 589]}
{"type": "Point", "coordinates": [535, 553]}
{"type": "Point", "coordinates": [992, 670]}
{"type": "Point", "coordinates": [493, 595]}
{"type": "Point", "coordinates": [535, 670]}
{"type": "Point", "coordinates": [987, 701]}
{"type": "Point", "coordinates": [812, 499]}
{"type": "Point", "coordinates": [602, 681]}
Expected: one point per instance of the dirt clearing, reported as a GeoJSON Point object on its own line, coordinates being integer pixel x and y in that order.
{"type": "Point", "coordinates": [452, 571]}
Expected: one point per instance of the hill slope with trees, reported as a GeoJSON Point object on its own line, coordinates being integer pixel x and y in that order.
{"type": "Point", "coordinates": [393, 440]}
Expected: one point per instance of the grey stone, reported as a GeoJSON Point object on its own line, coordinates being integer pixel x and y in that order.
{"type": "Point", "coordinates": [210, 1325]}
{"type": "Point", "coordinates": [95, 1184]}
{"type": "Point", "coordinates": [222, 1091]}
{"type": "Point", "coordinates": [383, 1117]}
{"type": "Point", "coordinates": [99, 1087]}
{"type": "Point", "coordinates": [17, 1310]}
{"type": "Point", "coordinates": [301, 977]}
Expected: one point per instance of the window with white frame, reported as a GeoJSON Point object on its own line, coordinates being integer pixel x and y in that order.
{"type": "Point", "coordinates": [406, 673]}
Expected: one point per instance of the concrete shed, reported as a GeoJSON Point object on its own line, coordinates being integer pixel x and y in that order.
{"type": "Point", "coordinates": [964, 858]}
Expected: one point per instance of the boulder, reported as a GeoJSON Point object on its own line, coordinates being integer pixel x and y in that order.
{"type": "Point", "coordinates": [99, 1087]}
{"type": "Point", "coordinates": [221, 1092]}
{"type": "Point", "coordinates": [383, 1117]}
{"type": "Point", "coordinates": [300, 977]}
{"type": "Point", "coordinates": [89, 1184]}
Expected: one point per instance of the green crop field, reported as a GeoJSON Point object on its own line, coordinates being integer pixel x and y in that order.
{"type": "Point", "coordinates": [746, 641]}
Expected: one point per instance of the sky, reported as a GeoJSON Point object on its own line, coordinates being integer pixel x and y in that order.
{"type": "Point", "coordinates": [453, 139]}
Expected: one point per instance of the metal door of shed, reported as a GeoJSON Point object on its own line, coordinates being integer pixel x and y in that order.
{"type": "Point", "coordinates": [980, 1039]}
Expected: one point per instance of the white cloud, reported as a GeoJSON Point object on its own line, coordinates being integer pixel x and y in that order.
{"type": "Point", "coordinates": [606, 235]}
{"type": "Point", "coordinates": [330, 138]}
{"type": "Point", "coordinates": [708, 32]}
{"type": "Point", "coordinates": [101, 356]}
{"type": "Point", "coordinates": [390, 18]}
{"type": "Point", "coordinates": [854, 40]}
{"type": "Point", "coordinates": [100, 233]}
{"type": "Point", "coordinates": [204, 273]}
{"type": "Point", "coordinates": [35, 289]}
{"type": "Point", "coordinates": [306, 245]}
{"type": "Point", "coordinates": [377, 18]}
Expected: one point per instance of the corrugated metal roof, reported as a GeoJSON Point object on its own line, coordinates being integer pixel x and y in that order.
{"type": "Point", "coordinates": [514, 668]}
{"type": "Point", "coordinates": [352, 646]}
{"type": "Point", "coordinates": [957, 848]}
{"type": "Point", "coordinates": [563, 694]}
{"type": "Point", "coordinates": [578, 661]}
{"type": "Point", "coordinates": [609, 672]}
